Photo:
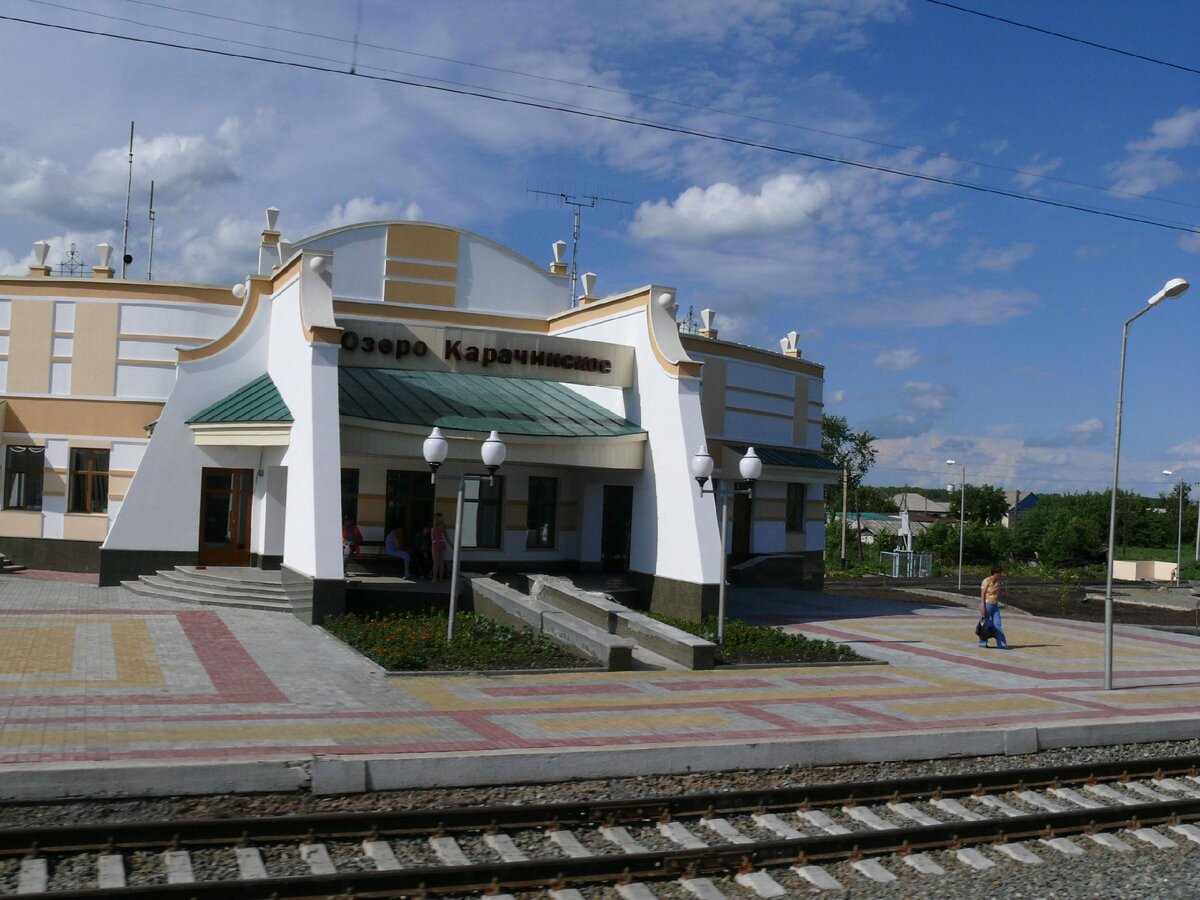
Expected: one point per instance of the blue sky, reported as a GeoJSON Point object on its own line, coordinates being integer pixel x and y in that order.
{"type": "Point", "coordinates": [951, 323]}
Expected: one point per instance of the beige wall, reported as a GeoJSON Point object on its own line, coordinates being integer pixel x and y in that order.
{"type": "Point", "coordinates": [94, 360]}
{"type": "Point", "coordinates": [49, 415]}
{"type": "Point", "coordinates": [19, 523]}
{"type": "Point", "coordinates": [84, 527]}
{"type": "Point", "coordinates": [29, 347]}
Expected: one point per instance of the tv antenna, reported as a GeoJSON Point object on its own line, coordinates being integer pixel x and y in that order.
{"type": "Point", "coordinates": [579, 204]}
{"type": "Point", "coordinates": [150, 262]}
{"type": "Point", "coordinates": [126, 259]}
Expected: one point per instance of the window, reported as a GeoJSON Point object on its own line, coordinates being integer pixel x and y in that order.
{"type": "Point", "coordinates": [540, 518]}
{"type": "Point", "coordinates": [350, 494]}
{"type": "Point", "coordinates": [89, 481]}
{"type": "Point", "coordinates": [796, 494]}
{"type": "Point", "coordinates": [481, 513]}
{"type": "Point", "coordinates": [23, 477]}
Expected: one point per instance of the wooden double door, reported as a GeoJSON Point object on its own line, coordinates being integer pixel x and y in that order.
{"type": "Point", "coordinates": [226, 498]}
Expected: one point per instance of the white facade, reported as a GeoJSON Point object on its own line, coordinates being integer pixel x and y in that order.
{"type": "Point", "coordinates": [616, 403]}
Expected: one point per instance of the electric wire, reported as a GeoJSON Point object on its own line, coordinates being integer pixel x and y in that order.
{"type": "Point", "coordinates": [1067, 37]}
{"type": "Point", "coordinates": [654, 98]}
{"type": "Point", "coordinates": [628, 120]}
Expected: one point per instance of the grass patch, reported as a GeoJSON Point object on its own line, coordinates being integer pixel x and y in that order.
{"type": "Point", "coordinates": [416, 642]}
{"type": "Point", "coordinates": [746, 643]}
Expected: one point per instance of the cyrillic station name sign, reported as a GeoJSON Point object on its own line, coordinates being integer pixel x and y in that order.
{"type": "Point", "coordinates": [510, 354]}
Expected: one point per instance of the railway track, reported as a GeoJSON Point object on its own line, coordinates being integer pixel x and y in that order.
{"type": "Point", "coordinates": [1022, 816]}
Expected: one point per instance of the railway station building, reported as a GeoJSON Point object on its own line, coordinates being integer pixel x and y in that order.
{"type": "Point", "coordinates": [149, 424]}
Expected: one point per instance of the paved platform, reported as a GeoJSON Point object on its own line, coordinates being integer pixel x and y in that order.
{"type": "Point", "coordinates": [106, 692]}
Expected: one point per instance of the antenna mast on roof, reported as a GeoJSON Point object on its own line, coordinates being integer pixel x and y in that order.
{"type": "Point", "coordinates": [150, 263]}
{"type": "Point", "coordinates": [579, 204]}
{"type": "Point", "coordinates": [125, 258]}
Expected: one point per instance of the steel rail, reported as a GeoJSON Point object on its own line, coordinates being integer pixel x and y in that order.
{"type": "Point", "coordinates": [184, 833]}
{"type": "Point", "coordinates": [671, 863]}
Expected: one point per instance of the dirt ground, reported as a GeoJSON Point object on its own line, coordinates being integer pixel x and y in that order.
{"type": "Point", "coordinates": [1036, 598]}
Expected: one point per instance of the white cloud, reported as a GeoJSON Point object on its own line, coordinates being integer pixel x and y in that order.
{"type": "Point", "coordinates": [368, 209]}
{"type": "Point", "coordinates": [784, 203]}
{"type": "Point", "coordinates": [924, 395]}
{"type": "Point", "coordinates": [1180, 130]}
{"type": "Point", "coordinates": [901, 358]}
{"type": "Point", "coordinates": [1143, 174]}
{"type": "Point", "coordinates": [957, 306]}
{"type": "Point", "coordinates": [1146, 169]}
{"type": "Point", "coordinates": [1035, 170]}
{"type": "Point", "coordinates": [995, 259]}
{"type": "Point", "coordinates": [833, 398]}
{"type": "Point", "coordinates": [1085, 432]}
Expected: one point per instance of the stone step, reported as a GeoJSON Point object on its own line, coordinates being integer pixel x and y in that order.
{"type": "Point", "coordinates": [233, 575]}
{"type": "Point", "coordinates": [11, 568]}
{"type": "Point", "coordinates": [219, 591]}
{"type": "Point", "coordinates": [198, 580]}
{"type": "Point", "coordinates": [151, 586]}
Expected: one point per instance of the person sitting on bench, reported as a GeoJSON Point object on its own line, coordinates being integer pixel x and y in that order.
{"type": "Point", "coordinates": [393, 546]}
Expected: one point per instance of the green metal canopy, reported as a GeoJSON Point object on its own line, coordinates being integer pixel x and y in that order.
{"type": "Point", "coordinates": [257, 401]}
{"type": "Point", "coordinates": [795, 459]}
{"type": "Point", "coordinates": [468, 402]}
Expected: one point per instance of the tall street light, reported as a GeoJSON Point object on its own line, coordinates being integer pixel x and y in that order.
{"type": "Point", "coordinates": [1179, 533]}
{"type": "Point", "coordinates": [962, 515]}
{"type": "Point", "coordinates": [492, 453]}
{"type": "Point", "coordinates": [750, 468]}
{"type": "Point", "coordinates": [1172, 288]}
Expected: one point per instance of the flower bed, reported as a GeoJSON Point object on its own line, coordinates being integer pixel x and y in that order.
{"type": "Point", "coordinates": [418, 641]}
{"type": "Point", "coordinates": [746, 643]}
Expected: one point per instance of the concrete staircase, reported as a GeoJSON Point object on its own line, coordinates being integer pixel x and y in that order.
{"type": "Point", "coordinates": [8, 567]}
{"type": "Point", "coordinates": [225, 586]}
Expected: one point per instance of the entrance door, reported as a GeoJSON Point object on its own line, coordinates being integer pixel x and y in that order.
{"type": "Point", "coordinates": [225, 497]}
{"type": "Point", "coordinates": [409, 502]}
{"type": "Point", "coordinates": [616, 529]}
{"type": "Point", "coordinates": [739, 552]}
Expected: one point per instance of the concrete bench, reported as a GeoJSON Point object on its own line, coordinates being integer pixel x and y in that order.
{"type": "Point", "coordinates": [509, 607]}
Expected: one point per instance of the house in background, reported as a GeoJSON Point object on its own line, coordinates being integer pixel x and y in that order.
{"type": "Point", "coordinates": [1019, 503]}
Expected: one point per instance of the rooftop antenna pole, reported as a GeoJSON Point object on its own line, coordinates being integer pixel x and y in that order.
{"type": "Point", "coordinates": [150, 264]}
{"type": "Point", "coordinates": [579, 204]}
{"type": "Point", "coordinates": [128, 192]}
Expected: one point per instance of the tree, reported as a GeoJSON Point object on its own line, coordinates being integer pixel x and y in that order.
{"type": "Point", "coordinates": [985, 503]}
{"type": "Point", "coordinates": [854, 452]}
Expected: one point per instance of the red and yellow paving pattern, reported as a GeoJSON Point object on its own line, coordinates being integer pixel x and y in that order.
{"type": "Point", "coordinates": [97, 674]}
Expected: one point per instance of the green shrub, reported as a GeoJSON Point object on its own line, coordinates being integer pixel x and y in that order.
{"type": "Point", "coordinates": [418, 641]}
{"type": "Point", "coordinates": [746, 643]}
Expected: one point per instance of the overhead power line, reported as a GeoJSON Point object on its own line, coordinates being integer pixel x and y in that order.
{"type": "Point", "coordinates": [625, 120]}
{"type": "Point", "coordinates": [653, 98]}
{"type": "Point", "coordinates": [1067, 37]}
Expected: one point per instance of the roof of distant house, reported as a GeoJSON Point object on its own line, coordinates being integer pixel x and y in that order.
{"type": "Point", "coordinates": [914, 502]}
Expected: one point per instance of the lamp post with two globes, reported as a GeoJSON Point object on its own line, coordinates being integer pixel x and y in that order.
{"type": "Point", "coordinates": [492, 453]}
{"type": "Point", "coordinates": [1172, 288]}
{"type": "Point", "coordinates": [750, 468]}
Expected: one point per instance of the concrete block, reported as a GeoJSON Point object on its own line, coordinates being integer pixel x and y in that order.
{"type": "Point", "coordinates": [508, 607]}
{"type": "Point", "coordinates": [1018, 741]}
{"type": "Point", "coordinates": [594, 608]}
{"type": "Point", "coordinates": [338, 775]}
{"type": "Point", "coordinates": [58, 781]}
{"type": "Point", "coordinates": [678, 646]}
{"type": "Point", "coordinates": [614, 653]}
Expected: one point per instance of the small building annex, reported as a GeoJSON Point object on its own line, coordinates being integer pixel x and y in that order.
{"type": "Point", "coordinates": [151, 424]}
